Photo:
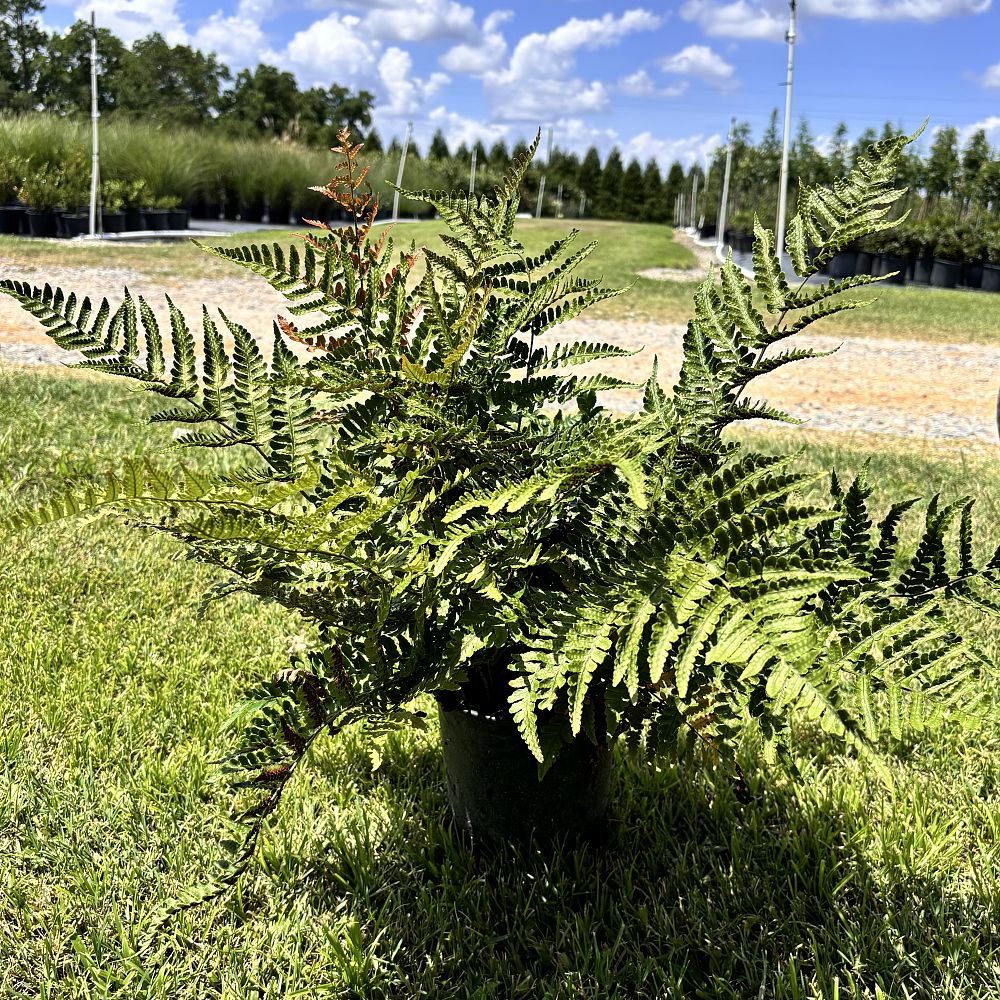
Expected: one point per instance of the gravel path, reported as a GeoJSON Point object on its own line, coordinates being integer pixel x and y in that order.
{"type": "Point", "coordinates": [903, 388]}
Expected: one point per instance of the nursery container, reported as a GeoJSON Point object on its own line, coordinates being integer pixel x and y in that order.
{"type": "Point", "coordinates": [42, 222]}
{"type": "Point", "coordinates": [991, 278]}
{"type": "Point", "coordinates": [945, 273]}
{"type": "Point", "coordinates": [155, 219]}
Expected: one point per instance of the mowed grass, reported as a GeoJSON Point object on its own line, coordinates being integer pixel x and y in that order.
{"type": "Point", "coordinates": [112, 692]}
{"type": "Point", "coordinates": [623, 250]}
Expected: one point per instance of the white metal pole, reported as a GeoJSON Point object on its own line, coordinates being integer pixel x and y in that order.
{"type": "Point", "coordinates": [779, 229]}
{"type": "Point", "coordinates": [541, 183]}
{"type": "Point", "coordinates": [399, 174]}
{"type": "Point", "coordinates": [583, 204]}
{"type": "Point", "coordinates": [95, 166]}
{"type": "Point", "coordinates": [720, 233]}
{"type": "Point", "coordinates": [472, 174]}
{"type": "Point", "coordinates": [694, 198]}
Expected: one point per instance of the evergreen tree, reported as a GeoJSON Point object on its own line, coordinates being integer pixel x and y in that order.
{"type": "Point", "coordinates": [463, 154]}
{"type": "Point", "coordinates": [672, 188]}
{"type": "Point", "coordinates": [840, 150]}
{"type": "Point", "coordinates": [610, 195]}
{"type": "Point", "coordinates": [482, 157]}
{"type": "Point", "coordinates": [373, 143]}
{"type": "Point", "coordinates": [943, 165]}
{"type": "Point", "coordinates": [652, 193]}
{"type": "Point", "coordinates": [633, 195]}
{"type": "Point", "coordinates": [588, 178]}
{"type": "Point", "coordinates": [439, 147]}
{"type": "Point", "coordinates": [22, 44]}
{"type": "Point", "coordinates": [975, 156]}
{"type": "Point", "coordinates": [499, 156]}
{"type": "Point", "coordinates": [866, 139]}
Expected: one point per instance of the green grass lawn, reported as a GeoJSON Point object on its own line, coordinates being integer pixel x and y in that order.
{"type": "Point", "coordinates": [111, 693]}
{"type": "Point", "coordinates": [623, 250]}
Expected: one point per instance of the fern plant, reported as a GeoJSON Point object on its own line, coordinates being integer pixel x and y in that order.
{"type": "Point", "coordinates": [428, 483]}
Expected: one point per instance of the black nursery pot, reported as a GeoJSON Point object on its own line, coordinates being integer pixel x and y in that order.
{"type": "Point", "coordinates": [945, 273]}
{"type": "Point", "coordinates": [922, 267]}
{"type": "Point", "coordinates": [133, 220]}
{"type": "Point", "coordinates": [11, 219]}
{"type": "Point", "coordinates": [844, 265]}
{"type": "Point", "coordinates": [493, 785]}
{"type": "Point", "coordinates": [972, 274]}
{"type": "Point", "coordinates": [179, 218]}
{"type": "Point", "coordinates": [991, 278]}
{"type": "Point", "coordinates": [864, 263]}
{"type": "Point", "coordinates": [113, 222]}
{"type": "Point", "coordinates": [156, 219]}
{"type": "Point", "coordinates": [75, 224]}
{"type": "Point", "coordinates": [891, 262]}
{"type": "Point", "coordinates": [42, 223]}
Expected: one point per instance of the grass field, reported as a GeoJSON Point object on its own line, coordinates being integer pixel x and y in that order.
{"type": "Point", "coordinates": [623, 250]}
{"type": "Point", "coordinates": [111, 693]}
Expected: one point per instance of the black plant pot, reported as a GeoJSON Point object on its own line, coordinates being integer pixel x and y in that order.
{"type": "Point", "coordinates": [972, 274]}
{"type": "Point", "coordinates": [889, 263]}
{"type": "Point", "coordinates": [74, 224]}
{"type": "Point", "coordinates": [864, 263]}
{"type": "Point", "coordinates": [251, 211]}
{"type": "Point", "coordinates": [43, 223]}
{"type": "Point", "coordinates": [155, 219]}
{"type": "Point", "coordinates": [493, 785]}
{"type": "Point", "coordinates": [708, 230]}
{"type": "Point", "coordinates": [11, 219]}
{"type": "Point", "coordinates": [133, 220]}
{"type": "Point", "coordinates": [876, 266]}
{"type": "Point", "coordinates": [844, 265]}
{"type": "Point", "coordinates": [179, 218]}
{"type": "Point", "coordinates": [945, 273]}
{"type": "Point", "coordinates": [922, 268]}
{"type": "Point", "coordinates": [113, 222]}
{"type": "Point", "coordinates": [991, 278]}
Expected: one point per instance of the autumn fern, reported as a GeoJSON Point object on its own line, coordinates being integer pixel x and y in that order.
{"type": "Point", "coordinates": [427, 481]}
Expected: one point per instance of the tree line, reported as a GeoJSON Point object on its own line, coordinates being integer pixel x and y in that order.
{"type": "Point", "coordinates": [170, 85]}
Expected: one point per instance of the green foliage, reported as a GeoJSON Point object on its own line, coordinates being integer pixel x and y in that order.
{"type": "Point", "coordinates": [442, 500]}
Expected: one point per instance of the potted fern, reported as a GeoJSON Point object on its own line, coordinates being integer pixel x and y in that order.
{"type": "Point", "coordinates": [452, 513]}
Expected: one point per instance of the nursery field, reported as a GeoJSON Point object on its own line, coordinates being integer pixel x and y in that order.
{"type": "Point", "coordinates": [624, 251]}
{"type": "Point", "coordinates": [112, 693]}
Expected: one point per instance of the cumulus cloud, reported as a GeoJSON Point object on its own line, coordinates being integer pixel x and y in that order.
{"type": "Point", "coordinates": [990, 125]}
{"type": "Point", "coordinates": [702, 62]}
{"type": "Point", "coordinates": [405, 93]}
{"type": "Point", "coordinates": [991, 78]}
{"type": "Point", "coordinates": [459, 128]}
{"type": "Point", "coordinates": [769, 20]}
{"type": "Point", "coordinates": [689, 150]}
{"type": "Point", "coordinates": [132, 19]}
{"type": "Point", "coordinates": [333, 48]}
{"type": "Point", "coordinates": [641, 84]}
{"type": "Point", "coordinates": [236, 40]}
{"type": "Point", "coordinates": [421, 21]}
{"type": "Point", "coordinates": [483, 55]}
{"type": "Point", "coordinates": [539, 76]}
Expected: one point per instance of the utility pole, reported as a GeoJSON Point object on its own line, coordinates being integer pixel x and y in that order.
{"type": "Point", "coordinates": [779, 230]}
{"type": "Point", "coordinates": [720, 235]}
{"type": "Point", "coordinates": [95, 165]}
{"type": "Point", "coordinates": [399, 175]}
{"type": "Point", "coordinates": [472, 174]}
{"type": "Point", "coordinates": [541, 183]}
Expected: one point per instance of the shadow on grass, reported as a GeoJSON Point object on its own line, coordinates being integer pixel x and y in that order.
{"type": "Point", "coordinates": [691, 895]}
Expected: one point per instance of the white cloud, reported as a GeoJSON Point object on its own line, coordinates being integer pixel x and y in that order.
{"type": "Point", "coordinates": [421, 21]}
{"type": "Point", "coordinates": [990, 125]}
{"type": "Point", "coordinates": [991, 78]}
{"type": "Point", "coordinates": [333, 48]}
{"type": "Point", "coordinates": [237, 40]}
{"type": "Point", "coordinates": [132, 19]}
{"type": "Point", "coordinates": [769, 20]}
{"type": "Point", "coordinates": [689, 150]}
{"type": "Point", "coordinates": [459, 128]}
{"type": "Point", "coordinates": [487, 53]}
{"type": "Point", "coordinates": [702, 62]}
{"type": "Point", "coordinates": [405, 93]}
{"type": "Point", "coordinates": [539, 77]}
{"type": "Point", "coordinates": [640, 84]}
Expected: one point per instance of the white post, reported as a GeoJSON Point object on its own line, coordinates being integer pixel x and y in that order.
{"type": "Point", "coordinates": [779, 229]}
{"type": "Point", "coordinates": [95, 165]}
{"type": "Point", "coordinates": [559, 211]}
{"type": "Point", "coordinates": [720, 234]}
{"type": "Point", "coordinates": [583, 204]}
{"type": "Point", "coordinates": [541, 183]}
{"type": "Point", "coordinates": [694, 199]}
{"type": "Point", "coordinates": [399, 174]}
{"type": "Point", "coordinates": [472, 174]}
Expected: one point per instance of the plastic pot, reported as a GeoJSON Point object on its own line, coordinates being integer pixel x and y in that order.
{"type": "Point", "coordinates": [493, 785]}
{"type": "Point", "coordinates": [864, 263]}
{"type": "Point", "coordinates": [42, 223]}
{"type": "Point", "coordinates": [75, 224]}
{"type": "Point", "coordinates": [972, 274]}
{"type": "Point", "coordinates": [708, 230]}
{"type": "Point", "coordinates": [889, 262]}
{"type": "Point", "coordinates": [156, 219]}
{"type": "Point", "coordinates": [113, 222]}
{"type": "Point", "coordinates": [179, 218]}
{"type": "Point", "coordinates": [843, 265]}
{"type": "Point", "coordinates": [945, 273]}
{"type": "Point", "coordinates": [133, 220]}
{"type": "Point", "coordinates": [922, 268]}
{"type": "Point", "coordinates": [11, 219]}
{"type": "Point", "coordinates": [991, 278]}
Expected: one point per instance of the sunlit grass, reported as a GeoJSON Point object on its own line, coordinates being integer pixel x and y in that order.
{"type": "Point", "coordinates": [111, 693]}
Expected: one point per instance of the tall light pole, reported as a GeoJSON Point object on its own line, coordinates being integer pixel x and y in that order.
{"type": "Point", "coordinates": [779, 229]}
{"type": "Point", "coordinates": [399, 173]}
{"type": "Point", "coordinates": [720, 234]}
{"type": "Point", "coordinates": [541, 183]}
{"type": "Point", "coordinates": [95, 164]}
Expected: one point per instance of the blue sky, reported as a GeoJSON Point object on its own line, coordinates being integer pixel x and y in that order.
{"type": "Point", "coordinates": [656, 79]}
